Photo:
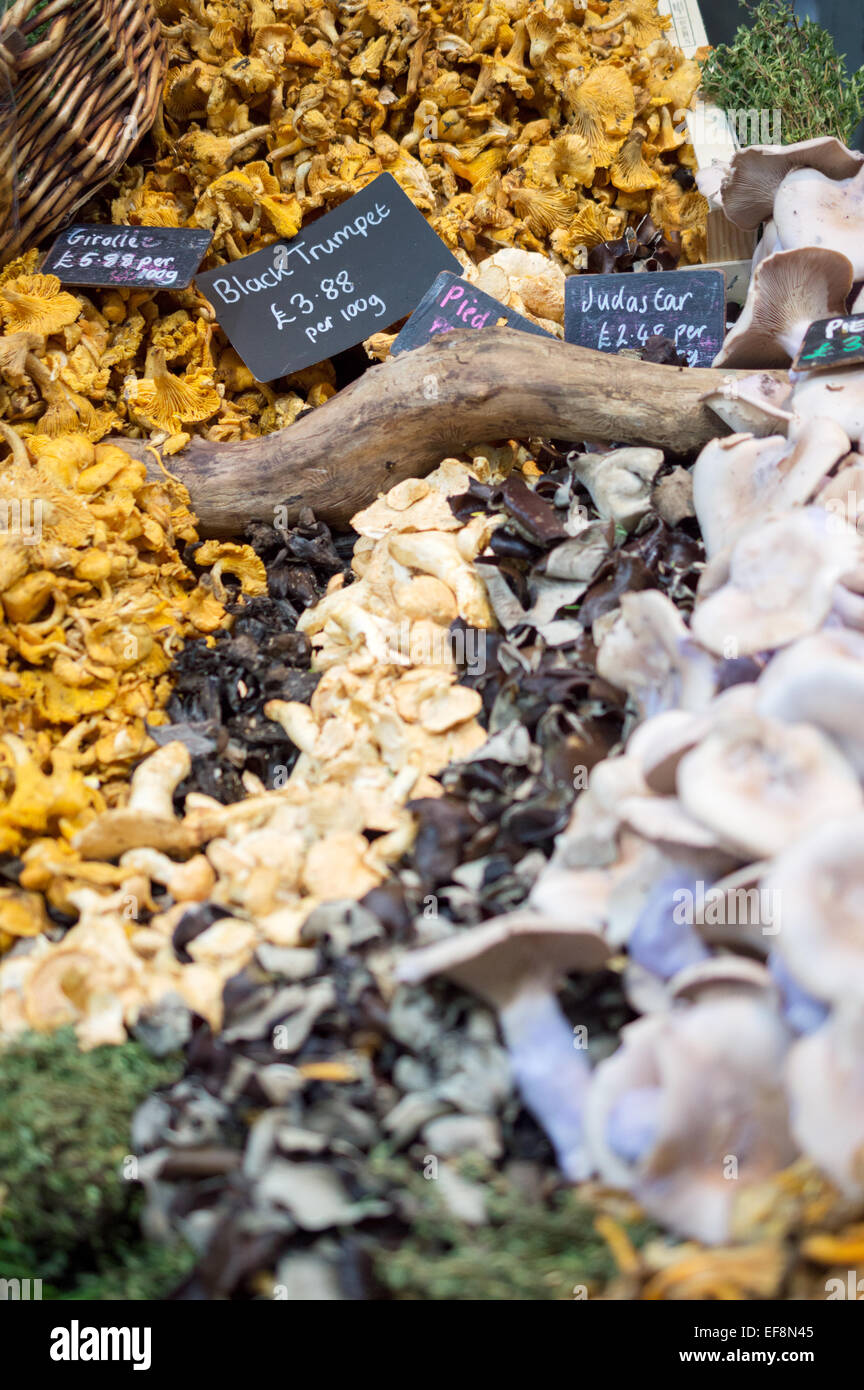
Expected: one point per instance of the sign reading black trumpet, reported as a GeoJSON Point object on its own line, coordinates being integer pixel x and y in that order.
{"type": "Point", "coordinates": [345, 276]}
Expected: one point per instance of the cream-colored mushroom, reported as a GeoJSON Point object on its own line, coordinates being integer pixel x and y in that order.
{"type": "Point", "coordinates": [740, 480]}
{"type": "Point", "coordinates": [693, 1098]}
{"type": "Point", "coordinates": [758, 783]}
{"type": "Point", "coordinates": [777, 583]}
{"type": "Point", "coordinates": [149, 817]}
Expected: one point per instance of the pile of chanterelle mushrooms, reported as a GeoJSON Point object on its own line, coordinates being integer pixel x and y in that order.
{"type": "Point", "coordinates": [723, 849]}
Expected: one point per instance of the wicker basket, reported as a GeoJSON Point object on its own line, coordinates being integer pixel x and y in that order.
{"type": "Point", "coordinates": [80, 82]}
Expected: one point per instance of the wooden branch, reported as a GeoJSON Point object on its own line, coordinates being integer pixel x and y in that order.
{"type": "Point", "coordinates": [402, 417]}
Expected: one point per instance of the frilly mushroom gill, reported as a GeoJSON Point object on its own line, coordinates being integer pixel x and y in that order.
{"type": "Point", "coordinates": [756, 172]}
{"type": "Point", "coordinates": [788, 291]}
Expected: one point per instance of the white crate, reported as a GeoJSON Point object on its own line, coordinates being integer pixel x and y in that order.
{"type": "Point", "coordinates": [729, 247]}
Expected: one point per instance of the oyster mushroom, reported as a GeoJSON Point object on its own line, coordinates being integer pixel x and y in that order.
{"type": "Point", "coordinates": [825, 1081]}
{"type": "Point", "coordinates": [755, 174]}
{"type": "Point", "coordinates": [516, 964]}
{"type": "Point", "coordinates": [760, 404]}
{"type": "Point", "coordinates": [819, 882]}
{"type": "Point", "coordinates": [620, 482]}
{"type": "Point", "coordinates": [148, 819]}
{"type": "Point", "coordinates": [838, 396]}
{"type": "Point", "coordinates": [820, 681]}
{"type": "Point", "coordinates": [777, 584]}
{"type": "Point", "coordinates": [739, 480]}
{"type": "Point", "coordinates": [689, 1092]}
{"type": "Point", "coordinates": [768, 243]}
{"type": "Point", "coordinates": [811, 210]}
{"type": "Point", "coordinates": [788, 291]}
{"type": "Point", "coordinates": [758, 783]}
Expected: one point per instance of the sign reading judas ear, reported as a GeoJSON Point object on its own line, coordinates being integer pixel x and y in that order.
{"type": "Point", "coordinates": [347, 275]}
{"type": "Point", "coordinates": [611, 312]}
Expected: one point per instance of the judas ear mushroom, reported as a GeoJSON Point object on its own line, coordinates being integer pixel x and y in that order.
{"type": "Point", "coordinates": [779, 583]}
{"type": "Point", "coordinates": [739, 480]}
{"type": "Point", "coordinates": [516, 964]}
{"type": "Point", "coordinates": [819, 885]}
{"type": "Point", "coordinates": [755, 174]}
{"type": "Point", "coordinates": [149, 817]}
{"type": "Point", "coordinates": [788, 291]}
{"type": "Point", "coordinates": [759, 784]}
{"type": "Point", "coordinates": [825, 1080]}
{"type": "Point", "coordinates": [838, 396]}
{"type": "Point", "coordinates": [811, 210]}
{"type": "Point", "coordinates": [649, 653]}
{"type": "Point", "coordinates": [820, 681]}
{"type": "Point", "coordinates": [620, 482]}
{"type": "Point", "coordinates": [753, 405]}
{"type": "Point", "coordinates": [688, 1093]}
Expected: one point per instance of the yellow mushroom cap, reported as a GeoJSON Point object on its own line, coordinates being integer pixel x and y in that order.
{"type": "Point", "coordinates": [167, 402]}
{"type": "Point", "coordinates": [36, 304]}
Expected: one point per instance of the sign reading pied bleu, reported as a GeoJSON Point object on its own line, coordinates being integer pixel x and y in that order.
{"type": "Point", "coordinates": [452, 302]}
{"type": "Point", "coordinates": [345, 276]}
{"type": "Point", "coordinates": [611, 312]}
{"type": "Point", "coordinates": [151, 258]}
{"type": "Point", "coordinates": [830, 343]}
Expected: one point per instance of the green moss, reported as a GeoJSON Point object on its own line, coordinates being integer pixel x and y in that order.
{"type": "Point", "coordinates": [65, 1205]}
{"type": "Point", "coordinates": [527, 1251]}
{"type": "Point", "coordinates": [780, 62]}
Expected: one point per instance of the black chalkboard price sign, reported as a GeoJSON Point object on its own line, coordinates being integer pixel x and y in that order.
{"type": "Point", "coordinates": [451, 302]}
{"type": "Point", "coordinates": [831, 343]}
{"type": "Point", "coordinates": [347, 275]}
{"type": "Point", "coordinates": [150, 258]}
{"type": "Point", "coordinates": [611, 312]}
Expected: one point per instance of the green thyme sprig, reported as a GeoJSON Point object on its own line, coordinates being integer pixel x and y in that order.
{"type": "Point", "coordinates": [781, 62]}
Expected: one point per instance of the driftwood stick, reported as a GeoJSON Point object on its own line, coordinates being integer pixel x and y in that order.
{"type": "Point", "coordinates": [403, 416]}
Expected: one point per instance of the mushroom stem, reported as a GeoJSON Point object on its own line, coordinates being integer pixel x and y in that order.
{"type": "Point", "coordinates": [155, 780]}
{"type": "Point", "coordinates": [16, 444]}
{"type": "Point", "coordinates": [552, 1075]}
